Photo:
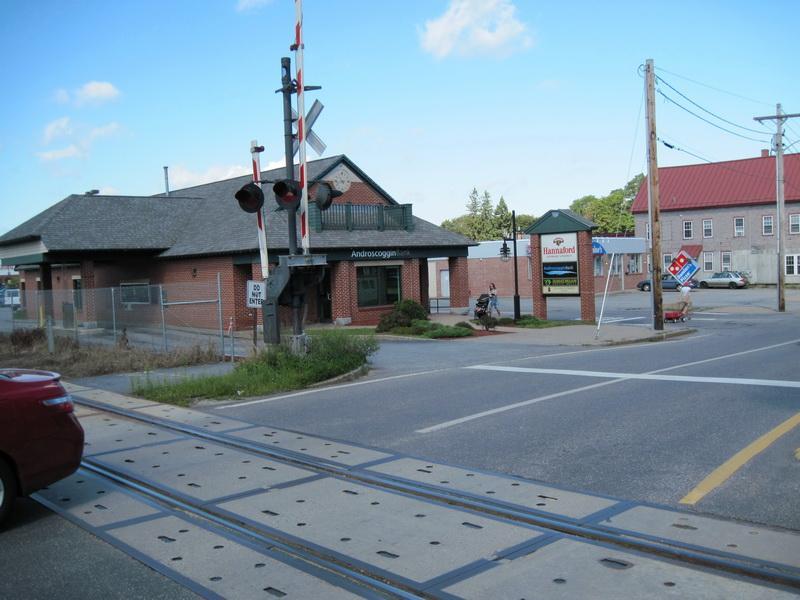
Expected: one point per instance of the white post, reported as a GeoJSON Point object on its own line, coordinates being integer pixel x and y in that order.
{"type": "Point", "coordinates": [261, 215]}
{"type": "Point", "coordinates": [301, 124]}
{"type": "Point", "coordinates": [605, 293]}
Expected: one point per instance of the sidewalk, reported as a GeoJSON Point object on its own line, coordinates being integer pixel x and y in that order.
{"type": "Point", "coordinates": [570, 335]}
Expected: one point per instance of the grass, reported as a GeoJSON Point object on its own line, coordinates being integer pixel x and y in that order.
{"type": "Point", "coordinates": [332, 353]}
{"type": "Point", "coordinates": [27, 348]}
{"type": "Point", "coordinates": [531, 322]}
{"type": "Point", "coordinates": [345, 330]}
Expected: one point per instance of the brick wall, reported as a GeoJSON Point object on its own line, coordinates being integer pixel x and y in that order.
{"type": "Point", "coordinates": [459, 282]}
{"type": "Point", "coordinates": [586, 275]}
{"type": "Point", "coordinates": [360, 193]}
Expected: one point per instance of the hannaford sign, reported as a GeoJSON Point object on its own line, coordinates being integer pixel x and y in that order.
{"type": "Point", "coordinates": [560, 264]}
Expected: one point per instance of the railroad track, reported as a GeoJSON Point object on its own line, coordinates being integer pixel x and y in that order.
{"type": "Point", "coordinates": [381, 583]}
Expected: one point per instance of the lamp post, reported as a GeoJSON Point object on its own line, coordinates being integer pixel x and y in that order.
{"type": "Point", "coordinates": [504, 252]}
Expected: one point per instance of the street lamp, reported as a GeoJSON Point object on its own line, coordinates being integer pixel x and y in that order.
{"type": "Point", "coordinates": [505, 251]}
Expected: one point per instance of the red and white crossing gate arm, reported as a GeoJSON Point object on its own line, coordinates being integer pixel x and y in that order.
{"type": "Point", "coordinates": [301, 123]}
{"type": "Point", "coordinates": [255, 151]}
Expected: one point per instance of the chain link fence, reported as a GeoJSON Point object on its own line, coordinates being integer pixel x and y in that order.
{"type": "Point", "coordinates": [156, 317]}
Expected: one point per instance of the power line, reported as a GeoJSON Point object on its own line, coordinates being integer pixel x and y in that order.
{"type": "Point", "coordinates": [710, 122]}
{"type": "Point", "coordinates": [635, 136]}
{"type": "Point", "coordinates": [706, 110]}
{"type": "Point", "coordinates": [711, 87]}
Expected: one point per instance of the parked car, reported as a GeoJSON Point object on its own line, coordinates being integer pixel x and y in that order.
{"type": "Point", "coordinates": [41, 440]}
{"type": "Point", "coordinates": [726, 279]}
{"type": "Point", "coordinates": [668, 282]}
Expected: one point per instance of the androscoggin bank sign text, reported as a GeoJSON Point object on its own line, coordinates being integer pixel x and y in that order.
{"type": "Point", "coordinates": [379, 254]}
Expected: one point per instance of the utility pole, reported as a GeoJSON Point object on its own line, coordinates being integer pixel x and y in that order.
{"type": "Point", "coordinates": [654, 215]}
{"type": "Point", "coordinates": [779, 117]}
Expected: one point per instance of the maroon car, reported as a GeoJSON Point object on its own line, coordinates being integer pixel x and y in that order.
{"type": "Point", "coordinates": [41, 440]}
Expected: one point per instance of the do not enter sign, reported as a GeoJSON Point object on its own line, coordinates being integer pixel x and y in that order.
{"type": "Point", "coordinates": [256, 294]}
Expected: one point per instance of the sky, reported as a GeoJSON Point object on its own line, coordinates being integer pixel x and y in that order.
{"type": "Point", "coordinates": [536, 102]}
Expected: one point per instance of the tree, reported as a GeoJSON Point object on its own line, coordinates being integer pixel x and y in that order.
{"type": "Point", "coordinates": [612, 212]}
{"type": "Point", "coordinates": [484, 221]}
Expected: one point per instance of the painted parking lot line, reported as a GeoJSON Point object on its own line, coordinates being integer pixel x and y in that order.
{"type": "Point", "coordinates": [328, 389]}
{"type": "Point", "coordinates": [622, 377]}
{"type": "Point", "coordinates": [643, 376]}
{"type": "Point", "coordinates": [722, 473]}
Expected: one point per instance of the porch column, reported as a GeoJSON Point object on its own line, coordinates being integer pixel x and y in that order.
{"type": "Point", "coordinates": [537, 297]}
{"type": "Point", "coordinates": [88, 290]}
{"type": "Point", "coordinates": [459, 284]}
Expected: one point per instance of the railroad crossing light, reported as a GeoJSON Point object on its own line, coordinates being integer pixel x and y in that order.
{"type": "Point", "coordinates": [287, 193]}
{"type": "Point", "coordinates": [504, 251]}
{"type": "Point", "coordinates": [325, 195]}
{"type": "Point", "coordinates": [250, 198]}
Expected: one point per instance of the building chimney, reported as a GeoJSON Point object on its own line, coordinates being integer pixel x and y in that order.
{"type": "Point", "coordinates": [166, 180]}
{"type": "Point", "coordinates": [764, 153]}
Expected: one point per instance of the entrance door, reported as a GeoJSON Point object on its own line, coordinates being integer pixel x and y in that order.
{"type": "Point", "coordinates": [324, 306]}
{"type": "Point", "coordinates": [444, 283]}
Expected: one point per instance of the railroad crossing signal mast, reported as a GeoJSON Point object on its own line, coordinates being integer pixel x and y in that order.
{"type": "Point", "coordinates": [289, 281]}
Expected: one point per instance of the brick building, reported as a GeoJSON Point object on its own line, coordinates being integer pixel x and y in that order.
{"type": "Point", "coordinates": [724, 215]}
{"type": "Point", "coordinates": [377, 250]}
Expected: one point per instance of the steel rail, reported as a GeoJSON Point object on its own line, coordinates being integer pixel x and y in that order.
{"type": "Point", "coordinates": [629, 540]}
{"type": "Point", "coordinates": [362, 576]}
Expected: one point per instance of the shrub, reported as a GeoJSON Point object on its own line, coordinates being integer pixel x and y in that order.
{"type": "Point", "coordinates": [488, 322]}
{"type": "Point", "coordinates": [26, 338]}
{"type": "Point", "coordinates": [464, 324]}
{"type": "Point", "coordinates": [446, 331]}
{"type": "Point", "coordinates": [403, 315]}
{"type": "Point", "coordinates": [505, 321]}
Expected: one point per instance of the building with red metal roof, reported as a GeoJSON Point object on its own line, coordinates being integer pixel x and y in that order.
{"type": "Point", "coordinates": [724, 215]}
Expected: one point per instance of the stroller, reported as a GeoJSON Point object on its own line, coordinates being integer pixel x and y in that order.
{"type": "Point", "coordinates": [481, 306]}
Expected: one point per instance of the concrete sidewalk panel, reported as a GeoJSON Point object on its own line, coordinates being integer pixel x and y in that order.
{"type": "Point", "coordinates": [568, 568]}
{"type": "Point", "coordinates": [202, 470]}
{"type": "Point", "coordinates": [497, 488]}
{"type": "Point", "coordinates": [108, 433]}
{"type": "Point", "coordinates": [219, 564]}
{"type": "Point", "coordinates": [402, 535]}
{"type": "Point", "coordinates": [731, 537]}
{"type": "Point", "coordinates": [112, 398]}
{"type": "Point", "coordinates": [194, 418]}
{"type": "Point", "coordinates": [93, 501]}
{"type": "Point", "coordinates": [337, 452]}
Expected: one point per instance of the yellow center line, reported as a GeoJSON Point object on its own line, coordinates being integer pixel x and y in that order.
{"type": "Point", "coordinates": [722, 473]}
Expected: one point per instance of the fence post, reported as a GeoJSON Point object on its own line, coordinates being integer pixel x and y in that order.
{"type": "Point", "coordinates": [113, 315]}
{"type": "Point", "coordinates": [219, 316]}
{"type": "Point", "coordinates": [51, 345]}
{"type": "Point", "coordinates": [163, 320]}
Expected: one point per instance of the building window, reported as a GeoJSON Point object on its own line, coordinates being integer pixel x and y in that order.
{"type": "Point", "coordinates": [598, 265]}
{"type": "Point", "coordinates": [792, 264]}
{"type": "Point", "coordinates": [378, 286]}
{"type": "Point", "coordinates": [687, 230]}
{"type": "Point", "coordinates": [134, 293]}
{"type": "Point", "coordinates": [77, 294]}
{"type": "Point", "coordinates": [616, 264]}
{"type": "Point", "coordinates": [667, 261]}
{"type": "Point", "coordinates": [726, 260]}
{"type": "Point", "coordinates": [766, 225]}
{"type": "Point", "coordinates": [738, 227]}
{"type": "Point", "coordinates": [708, 228]}
{"type": "Point", "coordinates": [794, 223]}
{"type": "Point", "coordinates": [708, 261]}
{"type": "Point", "coordinates": [634, 263]}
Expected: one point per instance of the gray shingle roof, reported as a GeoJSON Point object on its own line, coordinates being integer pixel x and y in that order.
{"type": "Point", "coordinates": [106, 223]}
{"type": "Point", "coordinates": [203, 220]}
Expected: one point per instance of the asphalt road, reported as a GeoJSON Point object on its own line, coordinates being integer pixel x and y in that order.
{"type": "Point", "coordinates": [644, 439]}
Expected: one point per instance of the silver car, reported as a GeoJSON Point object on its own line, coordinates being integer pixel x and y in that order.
{"type": "Point", "coordinates": [726, 279]}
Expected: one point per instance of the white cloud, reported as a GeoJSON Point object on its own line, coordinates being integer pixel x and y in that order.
{"type": "Point", "coordinates": [95, 92]}
{"type": "Point", "coordinates": [102, 131]}
{"type": "Point", "coordinates": [182, 177]}
{"type": "Point", "coordinates": [71, 151]}
{"type": "Point", "coordinates": [61, 96]}
{"type": "Point", "coordinates": [56, 129]}
{"type": "Point", "coordinates": [472, 27]}
{"type": "Point", "coordinates": [245, 5]}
